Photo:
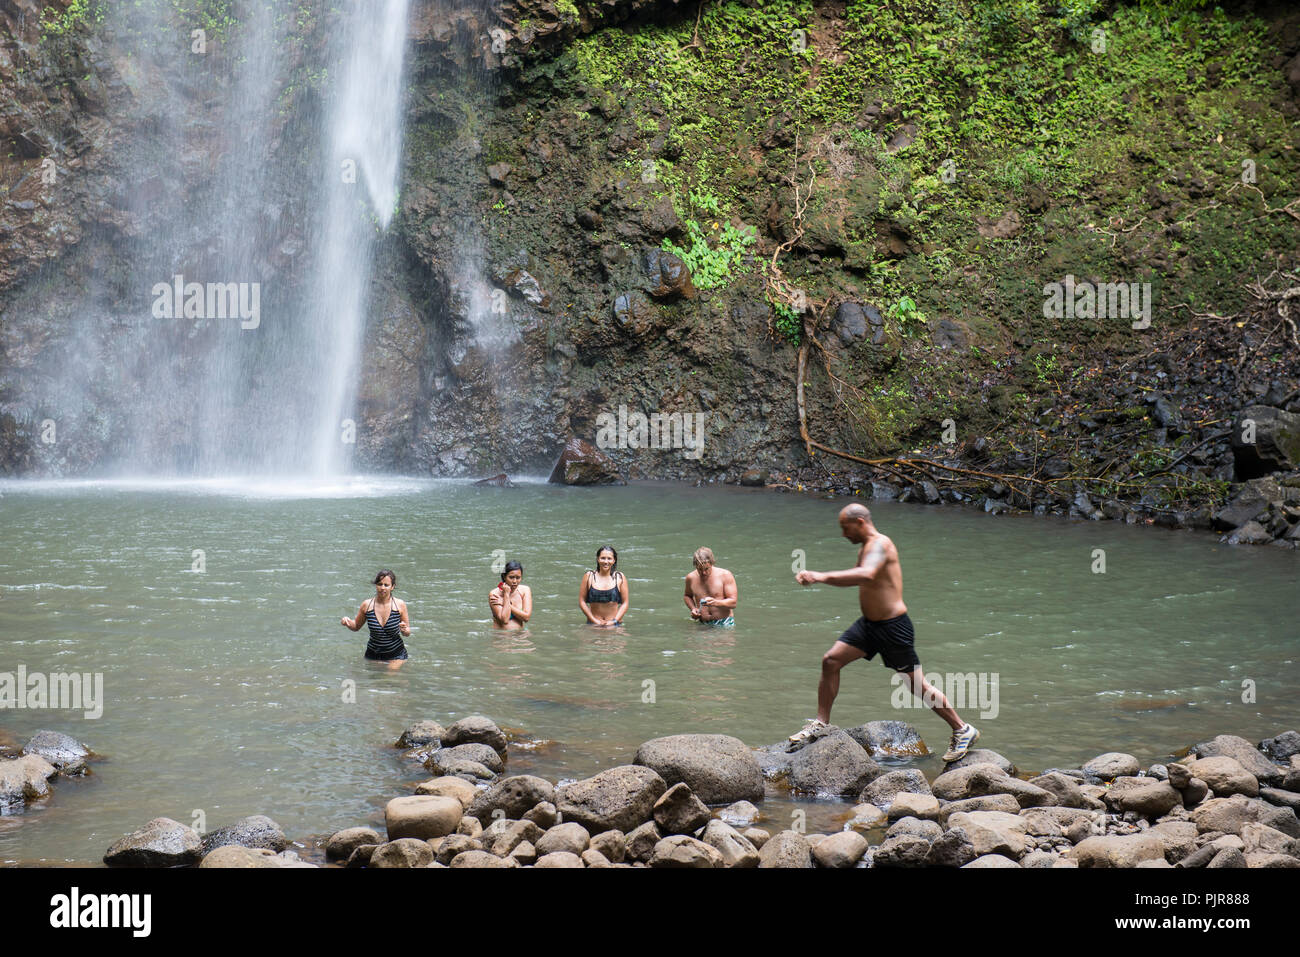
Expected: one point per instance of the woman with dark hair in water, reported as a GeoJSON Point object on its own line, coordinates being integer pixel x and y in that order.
{"type": "Point", "coordinates": [602, 594]}
{"type": "Point", "coordinates": [511, 601]}
{"type": "Point", "coordinates": [388, 621]}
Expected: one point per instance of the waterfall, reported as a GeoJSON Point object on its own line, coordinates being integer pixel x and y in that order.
{"type": "Point", "coordinates": [216, 329]}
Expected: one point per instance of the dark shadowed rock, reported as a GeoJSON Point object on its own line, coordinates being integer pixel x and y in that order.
{"type": "Point", "coordinates": [719, 769]}
{"type": "Point", "coordinates": [420, 734]}
{"type": "Point", "coordinates": [581, 463]}
{"type": "Point", "coordinates": [1281, 747]}
{"type": "Point", "coordinates": [444, 759]}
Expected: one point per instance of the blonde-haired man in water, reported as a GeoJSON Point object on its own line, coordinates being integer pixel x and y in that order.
{"type": "Point", "coordinates": [711, 593]}
{"type": "Point", "coordinates": [884, 627]}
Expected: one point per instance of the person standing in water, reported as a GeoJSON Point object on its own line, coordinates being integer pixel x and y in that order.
{"type": "Point", "coordinates": [603, 594]}
{"type": "Point", "coordinates": [884, 627]}
{"type": "Point", "coordinates": [711, 592]}
{"type": "Point", "coordinates": [388, 620]}
{"type": "Point", "coordinates": [511, 601]}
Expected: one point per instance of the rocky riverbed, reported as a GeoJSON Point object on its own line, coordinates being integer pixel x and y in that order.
{"type": "Point", "coordinates": [697, 800]}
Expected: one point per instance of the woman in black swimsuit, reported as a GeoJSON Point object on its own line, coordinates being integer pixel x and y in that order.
{"type": "Point", "coordinates": [386, 632]}
{"type": "Point", "coordinates": [602, 594]}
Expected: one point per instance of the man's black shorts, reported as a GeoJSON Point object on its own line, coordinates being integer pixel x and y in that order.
{"type": "Point", "coordinates": [893, 638]}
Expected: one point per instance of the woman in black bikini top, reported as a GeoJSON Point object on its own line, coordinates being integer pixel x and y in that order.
{"type": "Point", "coordinates": [604, 606]}
{"type": "Point", "coordinates": [385, 636]}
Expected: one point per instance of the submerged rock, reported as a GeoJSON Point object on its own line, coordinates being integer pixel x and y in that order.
{"type": "Point", "coordinates": [66, 753]}
{"type": "Point", "coordinates": [24, 779]}
{"type": "Point", "coordinates": [160, 843]}
{"type": "Point", "coordinates": [257, 831]}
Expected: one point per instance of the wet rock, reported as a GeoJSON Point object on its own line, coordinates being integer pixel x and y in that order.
{"type": "Point", "coordinates": [755, 478]}
{"type": "Point", "coordinates": [421, 816]}
{"type": "Point", "coordinates": [24, 779]}
{"type": "Point", "coordinates": [1252, 533]}
{"type": "Point", "coordinates": [679, 811]}
{"type": "Point", "coordinates": [719, 769]}
{"type": "Point", "coordinates": [888, 739]}
{"type": "Point", "coordinates": [636, 315]}
{"type": "Point", "coordinates": [420, 734]}
{"type": "Point", "coordinates": [786, 849]}
{"type": "Point", "coordinates": [445, 760]}
{"type": "Point", "coordinates": [740, 814]}
{"type": "Point", "coordinates": [496, 481]}
{"type": "Point", "coordinates": [160, 843]}
{"type": "Point", "coordinates": [850, 323]}
{"type": "Point", "coordinates": [361, 854]}
{"type": "Point", "coordinates": [620, 798]}
{"type": "Point", "coordinates": [1276, 445]}
{"type": "Point", "coordinates": [839, 851]}
{"type": "Point", "coordinates": [1112, 764]}
{"type": "Point", "coordinates": [867, 817]}
{"type": "Point", "coordinates": [513, 796]}
{"type": "Point", "coordinates": [476, 729]}
{"type": "Point", "coordinates": [682, 851]}
{"type": "Point", "coordinates": [64, 752]}
{"type": "Point", "coordinates": [668, 276]}
{"type": "Point", "coordinates": [834, 764]}
{"type": "Point", "coordinates": [735, 849]}
{"type": "Point", "coordinates": [569, 837]}
{"type": "Point", "coordinates": [256, 831]}
{"type": "Point", "coordinates": [581, 463]}
{"type": "Point", "coordinates": [342, 843]}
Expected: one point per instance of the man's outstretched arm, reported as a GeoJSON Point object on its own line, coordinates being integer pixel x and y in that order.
{"type": "Point", "coordinates": [872, 562]}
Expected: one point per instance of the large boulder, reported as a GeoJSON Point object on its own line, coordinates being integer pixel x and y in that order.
{"type": "Point", "coordinates": [342, 843]}
{"type": "Point", "coordinates": [1281, 747]}
{"type": "Point", "coordinates": [833, 765]}
{"type": "Point", "coordinates": [1145, 796]}
{"type": "Point", "coordinates": [840, 850]}
{"type": "Point", "coordinates": [1224, 775]}
{"type": "Point", "coordinates": [569, 836]}
{"type": "Point", "coordinates": [581, 463]}
{"type": "Point", "coordinates": [475, 729]}
{"type": "Point", "coordinates": [1242, 751]}
{"type": "Point", "coordinates": [992, 832]}
{"type": "Point", "coordinates": [1063, 787]}
{"type": "Point", "coordinates": [422, 734]}
{"type": "Point", "coordinates": [888, 739]}
{"type": "Point", "coordinates": [513, 796]}
{"type": "Point", "coordinates": [718, 768]}
{"type": "Point", "coordinates": [1276, 441]}
{"type": "Point", "coordinates": [422, 816]}
{"type": "Point", "coordinates": [953, 848]}
{"type": "Point", "coordinates": [256, 831]}
{"type": "Point", "coordinates": [160, 843]}
{"type": "Point", "coordinates": [620, 798]}
{"type": "Point", "coordinates": [1229, 815]}
{"type": "Point", "coordinates": [954, 785]}
{"type": "Point", "coordinates": [66, 753]}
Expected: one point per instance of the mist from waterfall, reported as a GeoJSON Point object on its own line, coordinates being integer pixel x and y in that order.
{"type": "Point", "coordinates": [224, 335]}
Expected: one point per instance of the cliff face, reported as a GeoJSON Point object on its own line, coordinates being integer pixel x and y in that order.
{"type": "Point", "coordinates": [654, 205]}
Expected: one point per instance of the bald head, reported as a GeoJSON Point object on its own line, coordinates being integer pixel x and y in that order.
{"type": "Point", "coordinates": [855, 523]}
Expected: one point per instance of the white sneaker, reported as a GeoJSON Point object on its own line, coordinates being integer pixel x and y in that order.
{"type": "Point", "coordinates": [961, 742]}
{"type": "Point", "coordinates": [809, 730]}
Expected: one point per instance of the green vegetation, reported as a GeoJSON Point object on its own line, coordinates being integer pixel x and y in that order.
{"type": "Point", "coordinates": [787, 322]}
{"type": "Point", "coordinates": [716, 248]}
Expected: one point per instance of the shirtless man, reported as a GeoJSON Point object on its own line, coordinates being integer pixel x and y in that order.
{"type": "Point", "coordinates": [884, 627]}
{"type": "Point", "coordinates": [711, 592]}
